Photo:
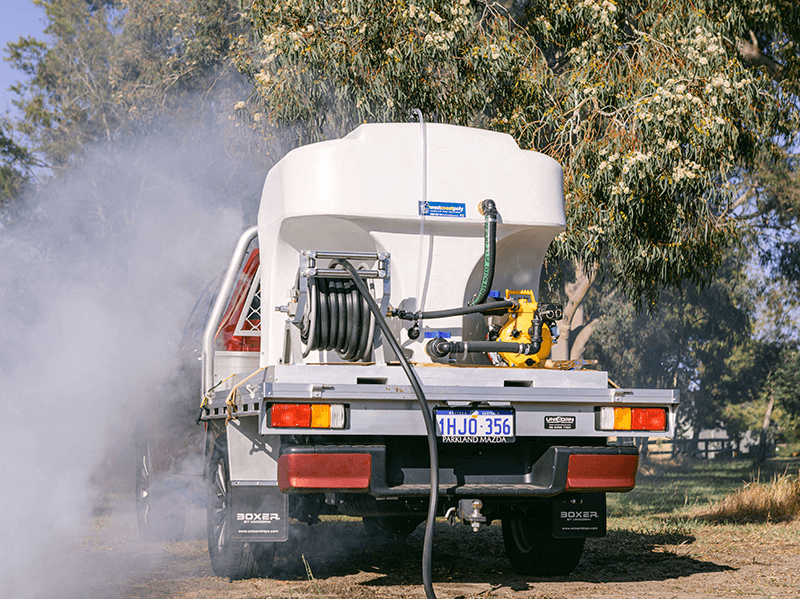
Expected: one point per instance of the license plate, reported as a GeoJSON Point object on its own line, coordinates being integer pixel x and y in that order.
{"type": "Point", "coordinates": [475, 425]}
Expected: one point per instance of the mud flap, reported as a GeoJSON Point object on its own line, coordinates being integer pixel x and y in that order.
{"type": "Point", "coordinates": [258, 513]}
{"type": "Point", "coordinates": [582, 516]}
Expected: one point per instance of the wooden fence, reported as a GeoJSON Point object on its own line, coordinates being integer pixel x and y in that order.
{"type": "Point", "coordinates": [696, 448]}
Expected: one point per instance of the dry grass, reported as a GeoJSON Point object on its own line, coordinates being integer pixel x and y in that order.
{"type": "Point", "coordinates": [775, 501]}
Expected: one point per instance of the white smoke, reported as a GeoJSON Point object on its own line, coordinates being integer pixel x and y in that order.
{"type": "Point", "coordinates": [97, 276]}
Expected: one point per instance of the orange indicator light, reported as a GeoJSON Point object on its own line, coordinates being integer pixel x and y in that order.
{"type": "Point", "coordinates": [622, 419]}
{"type": "Point", "coordinates": [320, 416]}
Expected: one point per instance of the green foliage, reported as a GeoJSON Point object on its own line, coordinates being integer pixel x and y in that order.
{"type": "Point", "coordinates": [322, 68]}
{"type": "Point", "coordinates": [14, 164]}
{"type": "Point", "coordinates": [690, 344]}
{"type": "Point", "coordinates": [767, 35]}
{"type": "Point", "coordinates": [741, 418]}
{"type": "Point", "coordinates": [646, 104]}
{"type": "Point", "coordinates": [652, 107]}
{"type": "Point", "coordinates": [755, 372]}
{"type": "Point", "coordinates": [657, 112]}
{"type": "Point", "coordinates": [116, 68]}
{"type": "Point", "coordinates": [783, 379]}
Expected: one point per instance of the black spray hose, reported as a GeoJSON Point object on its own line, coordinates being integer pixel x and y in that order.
{"type": "Point", "coordinates": [501, 307]}
{"type": "Point", "coordinates": [489, 211]}
{"type": "Point", "coordinates": [427, 547]}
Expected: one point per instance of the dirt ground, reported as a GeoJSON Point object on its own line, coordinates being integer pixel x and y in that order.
{"type": "Point", "coordinates": [337, 559]}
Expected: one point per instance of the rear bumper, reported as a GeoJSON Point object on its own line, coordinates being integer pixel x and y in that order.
{"type": "Point", "coordinates": [363, 469]}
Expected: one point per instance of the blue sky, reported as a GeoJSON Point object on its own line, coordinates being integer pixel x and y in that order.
{"type": "Point", "coordinates": [17, 18]}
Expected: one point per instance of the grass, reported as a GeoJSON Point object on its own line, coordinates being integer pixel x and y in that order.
{"type": "Point", "coordinates": [666, 488]}
{"type": "Point", "coordinates": [691, 488]}
{"type": "Point", "coordinates": [676, 501]}
{"type": "Point", "coordinates": [775, 501]}
{"type": "Point", "coordinates": [312, 583]}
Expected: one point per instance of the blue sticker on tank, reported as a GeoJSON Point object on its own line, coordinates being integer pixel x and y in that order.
{"type": "Point", "coordinates": [443, 209]}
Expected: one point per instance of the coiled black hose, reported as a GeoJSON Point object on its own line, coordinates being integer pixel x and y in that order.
{"type": "Point", "coordinates": [340, 320]}
{"type": "Point", "coordinates": [427, 545]}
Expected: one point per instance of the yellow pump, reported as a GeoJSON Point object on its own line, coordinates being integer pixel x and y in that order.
{"type": "Point", "coordinates": [519, 328]}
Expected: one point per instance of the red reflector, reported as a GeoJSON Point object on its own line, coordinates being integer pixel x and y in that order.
{"type": "Point", "coordinates": [602, 472]}
{"type": "Point", "coordinates": [648, 419]}
{"type": "Point", "coordinates": [290, 415]}
{"type": "Point", "coordinates": [324, 471]}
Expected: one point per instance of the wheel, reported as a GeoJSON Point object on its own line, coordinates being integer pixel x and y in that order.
{"type": "Point", "coordinates": [531, 547]}
{"type": "Point", "coordinates": [229, 558]}
{"type": "Point", "coordinates": [391, 527]}
{"type": "Point", "coordinates": [161, 515]}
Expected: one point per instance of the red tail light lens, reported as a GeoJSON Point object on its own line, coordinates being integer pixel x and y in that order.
{"type": "Point", "coordinates": [291, 415]}
{"type": "Point", "coordinates": [648, 419]}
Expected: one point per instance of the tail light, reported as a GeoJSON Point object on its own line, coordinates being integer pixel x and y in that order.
{"type": "Point", "coordinates": [633, 419]}
{"type": "Point", "coordinates": [305, 415]}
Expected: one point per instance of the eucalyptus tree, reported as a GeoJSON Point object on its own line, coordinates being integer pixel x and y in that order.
{"type": "Point", "coordinates": [15, 163]}
{"type": "Point", "coordinates": [657, 110]}
{"type": "Point", "coordinates": [653, 108]}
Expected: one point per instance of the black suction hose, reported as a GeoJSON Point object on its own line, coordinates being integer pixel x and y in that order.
{"type": "Point", "coordinates": [489, 211]}
{"type": "Point", "coordinates": [440, 348]}
{"type": "Point", "coordinates": [500, 307]}
{"type": "Point", "coordinates": [427, 546]}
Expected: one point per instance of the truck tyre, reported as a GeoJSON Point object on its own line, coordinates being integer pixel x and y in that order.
{"type": "Point", "coordinates": [229, 558]}
{"type": "Point", "coordinates": [161, 515]}
{"type": "Point", "coordinates": [394, 528]}
{"type": "Point", "coordinates": [531, 547]}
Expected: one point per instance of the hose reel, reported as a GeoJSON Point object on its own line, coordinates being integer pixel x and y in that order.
{"type": "Point", "coordinates": [329, 310]}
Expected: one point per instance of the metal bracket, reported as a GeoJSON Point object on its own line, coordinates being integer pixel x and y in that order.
{"type": "Point", "coordinates": [619, 394]}
{"type": "Point", "coordinates": [318, 389]}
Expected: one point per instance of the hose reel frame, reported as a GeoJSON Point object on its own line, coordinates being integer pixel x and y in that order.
{"type": "Point", "coordinates": [316, 286]}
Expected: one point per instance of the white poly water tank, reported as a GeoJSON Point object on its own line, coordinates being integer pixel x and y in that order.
{"type": "Point", "coordinates": [368, 191]}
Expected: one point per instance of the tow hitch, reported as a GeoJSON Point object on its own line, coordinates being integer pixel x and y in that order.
{"type": "Point", "coordinates": [469, 511]}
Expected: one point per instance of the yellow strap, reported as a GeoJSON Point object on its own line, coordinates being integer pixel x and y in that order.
{"type": "Point", "coordinates": [205, 399]}
{"type": "Point", "coordinates": [231, 406]}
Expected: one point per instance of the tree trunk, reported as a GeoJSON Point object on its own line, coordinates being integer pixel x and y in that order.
{"type": "Point", "coordinates": [579, 343]}
{"type": "Point", "coordinates": [694, 449]}
{"type": "Point", "coordinates": [573, 313]}
{"type": "Point", "coordinates": [644, 448]}
{"type": "Point", "coordinates": [761, 456]}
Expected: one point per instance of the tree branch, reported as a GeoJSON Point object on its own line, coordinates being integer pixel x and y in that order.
{"type": "Point", "coordinates": [752, 55]}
